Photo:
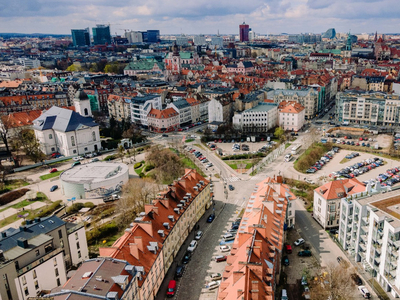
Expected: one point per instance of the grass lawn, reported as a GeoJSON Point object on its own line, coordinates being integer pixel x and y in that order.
{"type": "Point", "coordinates": [344, 160]}
{"type": "Point", "coordinates": [189, 140]}
{"type": "Point", "coordinates": [139, 170]}
{"type": "Point", "coordinates": [190, 164]}
{"type": "Point", "coordinates": [287, 145]}
{"type": "Point", "coordinates": [200, 146]}
{"type": "Point", "coordinates": [50, 175]}
{"type": "Point", "coordinates": [10, 185]}
{"type": "Point", "coordinates": [233, 166]}
{"type": "Point", "coordinates": [238, 164]}
{"type": "Point", "coordinates": [64, 160]}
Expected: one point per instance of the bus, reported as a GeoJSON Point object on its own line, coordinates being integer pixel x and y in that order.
{"type": "Point", "coordinates": [295, 149]}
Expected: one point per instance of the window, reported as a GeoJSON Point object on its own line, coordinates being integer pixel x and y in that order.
{"type": "Point", "coordinates": [60, 234]}
{"type": "Point", "coordinates": [77, 245]}
{"type": "Point", "coordinates": [76, 235]}
{"type": "Point", "coordinates": [53, 149]}
{"type": "Point", "coordinates": [79, 254]}
{"type": "Point", "coordinates": [85, 111]}
{"type": "Point", "coordinates": [58, 282]}
{"type": "Point", "coordinates": [93, 136]}
{"type": "Point", "coordinates": [16, 264]}
{"type": "Point", "coordinates": [74, 151]}
{"type": "Point", "coordinates": [36, 285]}
{"type": "Point", "coordinates": [37, 252]}
{"type": "Point", "coordinates": [55, 261]}
{"type": "Point", "coordinates": [34, 274]}
{"type": "Point", "coordinates": [73, 140]}
{"type": "Point", "coordinates": [56, 271]}
{"type": "Point", "coordinates": [26, 291]}
{"type": "Point", "coordinates": [23, 280]}
{"type": "Point", "coordinates": [50, 136]}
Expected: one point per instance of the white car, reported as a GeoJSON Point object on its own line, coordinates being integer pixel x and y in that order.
{"type": "Point", "coordinates": [228, 237]}
{"type": "Point", "coordinates": [299, 242]}
{"type": "Point", "coordinates": [216, 276]}
{"type": "Point", "coordinates": [192, 246]}
{"type": "Point", "coordinates": [224, 248]}
{"type": "Point", "coordinates": [364, 291]}
{"type": "Point", "coordinates": [199, 234]}
{"type": "Point", "coordinates": [213, 284]}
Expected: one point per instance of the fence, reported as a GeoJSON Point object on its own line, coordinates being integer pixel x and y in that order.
{"type": "Point", "coordinates": [270, 158]}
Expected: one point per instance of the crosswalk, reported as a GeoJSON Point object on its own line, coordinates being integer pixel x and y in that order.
{"type": "Point", "coordinates": [231, 179]}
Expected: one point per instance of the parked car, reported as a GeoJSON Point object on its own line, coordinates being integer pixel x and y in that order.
{"type": "Point", "coordinates": [213, 284]}
{"type": "Point", "coordinates": [199, 234]}
{"type": "Point", "coordinates": [216, 276]}
{"type": "Point", "coordinates": [210, 218]}
{"type": "Point", "coordinates": [94, 159]}
{"type": "Point", "coordinates": [224, 248]}
{"type": "Point", "coordinates": [192, 246]}
{"type": "Point", "coordinates": [304, 253]}
{"type": "Point", "coordinates": [285, 260]}
{"type": "Point", "coordinates": [53, 188]}
{"type": "Point", "coordinates": [288, 249]}
{"type": "Point", "coordinates": [171, 288]}
{"type": "Point", "coordinates": [187, 257]}
{"type": "Point", "coordinates": [364, 291]}
{"type": "Point", "coordinates": [179, 270]}
{"type": "Point", "coordinates": [228, 237]}
{"type": "Point", "coordinates": [76, 163]}
{"type": "Point", "coordinates": [220, 258]}
{"type": "Point", "coordinates": [231, 187]}
{"type": "Point", "coordinates": [357, 279]}
{"type": "Point", "coordinates": [299, 242]}
{"type": "Point", "coordinates": [53, 170]}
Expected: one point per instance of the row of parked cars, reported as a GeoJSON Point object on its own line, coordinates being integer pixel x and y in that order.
{"type": "Point", "coordinates": [200, 157]}
{"type": "Point", "coordinates": [358, 168]}
{"type": "Point", "coordinates": [323, 160]}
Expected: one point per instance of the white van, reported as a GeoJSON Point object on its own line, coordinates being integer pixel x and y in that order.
{"type": "Point", "coordinates": [284, 295]}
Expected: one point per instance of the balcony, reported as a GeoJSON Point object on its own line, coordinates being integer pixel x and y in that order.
{"type": "Point", "coordinates": [39, 261]}
{"type": "Point", "coordinates": [365, 220]}
{"type": "Point", "coordinates": [364, 228]}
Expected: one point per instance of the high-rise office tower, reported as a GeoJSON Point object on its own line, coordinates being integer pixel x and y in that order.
{"type": "Point", "coordinates": [244, 32]}
{"type": "Point", "coordinates": [101, 35]}
{"type": "Point", "coordinates": [153, 36]}
{"type": "Point", "coordinates": [80, 37]}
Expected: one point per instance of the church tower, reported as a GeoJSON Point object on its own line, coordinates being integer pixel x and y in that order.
{"type": "Point", "coordinates": [347, 51]}
{"type": "Point", "coordinates": [176, 61]}
{"type": "Point", "coordinates": [82, 104]}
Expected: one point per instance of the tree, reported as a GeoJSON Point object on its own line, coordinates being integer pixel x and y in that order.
{"type": "Point", "coordinates": [134, 134]}
{"type": "Point", "coordinates": [27, 141]}
{"type": "Point", "coordinates": [254, 54]}
{"type": "Point", "coordinates": [135, 194]}
{"type": "Point", "coordinates": [279, 133]}
{"type": "Point", "coordinates": [121, 151]}
{"type": "Point", "coordinates": [334, 284]}
{"type": "Point", "coordinates": [74, 68]}
{"type": "Point", "coordinates": [167, 164]}
{"type": "Point", "coordinates": [5, 126]}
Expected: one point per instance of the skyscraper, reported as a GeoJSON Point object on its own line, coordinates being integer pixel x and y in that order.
{"type": "Point", "coordinates": [153, 36]}
{"type": "Point", "coordinates": [80, 37]}
{"type": "Point", "coordinates": [101, 35]}
{"type": "Point", "coordinates": [244, 32]}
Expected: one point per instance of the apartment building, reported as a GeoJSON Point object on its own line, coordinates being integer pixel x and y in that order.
{"type": "Point", "coordinates": [254, 265]}
{"type": "Point", "coordinates": [184, 110]}
{"type": "Point", "coordinates": [100, 278]}
{"type": "Point", "coordinates": [165, 120]}
{"type": "Point", "coordinates": [37, 256]}
{"type": "Point", "coordinates": [141, 106]}
{"type": "Point", "coordinates": [155, 236]}
{"type": "Point", "coordinates": [119, 107]}
{"type": "Point", "coordinates": [260, 118]}
{"type": "Point", "coordinates": [195, 109]}
{"type": "Point", "coordinates": [327, 200]}
{"type": "Point", "coordinates": [370, 232]}
{"type": "Point", "coordinates": [306, 97]}
{"type": "Point", "coordinates": [220, 110]}
{"type": "Point", "coordinates": [291, 115]}
{"type": "Point", "coordinates": [368, 108]}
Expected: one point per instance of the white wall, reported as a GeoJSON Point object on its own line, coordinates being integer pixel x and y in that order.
{"type": "Point", "coordinates": [78, 236]}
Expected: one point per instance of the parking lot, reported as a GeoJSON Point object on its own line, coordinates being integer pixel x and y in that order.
{"type": "Point", "coordinates": [252, 147]}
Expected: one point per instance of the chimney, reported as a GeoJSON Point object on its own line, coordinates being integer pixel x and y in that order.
{"type": "Point", "coordinates": [139, 242]}
{"type": "Point", "coordinates": [237, 275]}
{"type": "Point", "coordinates": [279, 179]}
{"type": "Point", "coordinates": [171, 218]}
{"type": "Point", "coordinates": [4, 234]}
{"type": "Point", "coordinates": [161, 233]}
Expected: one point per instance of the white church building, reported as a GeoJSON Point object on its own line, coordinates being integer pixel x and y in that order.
{"type": "Point", "coordinates": [66, 131]}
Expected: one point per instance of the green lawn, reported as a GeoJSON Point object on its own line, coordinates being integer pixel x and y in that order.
{"type": "Point", "coordinates": [10, 185]}
{"type": "Point", "coordinates": [287, 145]}
{"type": "Point", "coordinates": [344, 160]}
{"type": "Point", "coordinates": [188, 163]}
{"type": "Point", "coordinates": [50, 175]}
{"type": "Point", "coordinates": [189, 140]}
{"type": "Point", "coordinates": [233, 166]}
{"type": "Point", "coordinates": [139, 170]}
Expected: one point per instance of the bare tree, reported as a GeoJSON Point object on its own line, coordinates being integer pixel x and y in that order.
{"type": "Point", "coordinates": [334, 284]}
{"type": "Point", "coordinates": [5, 126]}
{"type": "Point", "coordinates": [135, 194]}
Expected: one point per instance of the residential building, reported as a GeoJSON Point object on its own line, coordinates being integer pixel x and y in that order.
{"type": "Point", "coordinates": [15, 122]}
{"type": "Point", "coordinates": [291, 115]}
{"type": "Point", "coordinates": [307, 97]}
{"type": "Point", "coordinates": [254, 264]}
{"type": "Point", "coordinates": [199, 40]}
{"type": "Point", "coordinates": [66, 131]}
{"type": "Point", "coordinates": [260, 118]}
{"type": "Point", "coordinates": [119, 107]}
{"type": "Point", "coordinates": [250, 100]}
{"type": "Point", "coordinates": [101, 35]}
{"type": "Point", "coordinates": [80, 37]}
{"type": "Point", "coordinates": [243, 67]}
{"type": "Point", "coordinates": [220, 110]}
{"type": "Point", "coordinates": [165, 120]}
{"type": "Point", "coordinates": [141, 106]}
{"type": "Point", "coordinates": [144, 67]}
{"type": "Point", "coordinates": [367, 108]}
{"type": "Point", "coordinates": [100, 278]}
{"type": "Point", "coordinates": [370, 232]}
{"type": "Point", "coordinates": [156, 235]}
{"type": "Point", "coordinates": [203, 109]}
{"type": "Point", "coordinates": [244, 32]}
{"type": "Point", "coordinates": [327, 200]}
{"type": "Point", "coordinates": [195, 109]}
{"type": "Point", "coordinates": [37, 256]}
{"type": "Point", "coordinates": [184, 110]}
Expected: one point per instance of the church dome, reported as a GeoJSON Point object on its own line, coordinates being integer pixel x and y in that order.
{"type": "Point", "coordinates": [81, 95]}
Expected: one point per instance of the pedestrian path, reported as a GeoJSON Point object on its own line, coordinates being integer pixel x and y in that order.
{"type": "Point", "coordinates": [231, 179]}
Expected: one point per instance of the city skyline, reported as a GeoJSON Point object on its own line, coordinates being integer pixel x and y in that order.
{"type": "Point", "coordinates": [264, 17]}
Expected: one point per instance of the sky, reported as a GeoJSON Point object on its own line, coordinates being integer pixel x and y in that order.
{"type": "Point", "coordinates": [201, 16]}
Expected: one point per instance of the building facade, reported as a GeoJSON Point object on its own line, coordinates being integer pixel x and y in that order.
{"type": "Point", "coordinates": [80, 37]}
{"type": "Point", "coordinates": [101, 35]}
{"type": "Point", "coordinates": [291, 115]}
{"type": "Point", "coordinates": [142, 105]}
{"type": "Point", "coordinates": [165, 120]}
{"type": "Point", "coordinates": [260, 118]}
{"type": "Point", "coordinates": [184, 110]}
{"type": "Point", "coordinates": [244, 30]}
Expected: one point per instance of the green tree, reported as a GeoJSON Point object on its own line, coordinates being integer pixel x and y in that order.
{"type": "Point", "coordinates": [27, 141]}
{"type": "Point", "coordinates": [121, 151]}
{"type": "Point", "coordinates": [279, 133]}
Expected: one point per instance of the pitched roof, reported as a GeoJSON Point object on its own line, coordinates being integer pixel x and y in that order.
{"type": "Point", "coordinates": [340, 188]}
{"type": "Point", "coordinates": [290, 107]}
{"type": "Point", "coordinates": [163, 114]}
{"type": "Point", "coordinates": [61, 119]}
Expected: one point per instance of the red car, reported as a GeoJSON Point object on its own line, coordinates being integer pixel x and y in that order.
{"type": "Point", "coordinates": [288, 248]}
{"type": "Point", "coordinates": [53, 170]}
{"type": "Point", "coordinates": [180, 129]}
{"type": "Point", "coordinates": [220, 258]}
{"type": "Point", "coordinates": [55, 154]}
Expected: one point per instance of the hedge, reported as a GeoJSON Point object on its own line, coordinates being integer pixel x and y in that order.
{"type": "Point", "coordinates": [110, 157]}
{"type": "Point", "coordinates": [148, 168]}
{"type": "Point", "coordinates": [11, 196]}
{"type": "Point", "coordinates": [137, 165]}
{"type": "Point", "coordinates": [46, 211]}
{"type": "Point", "coordinates": [74, 208]}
